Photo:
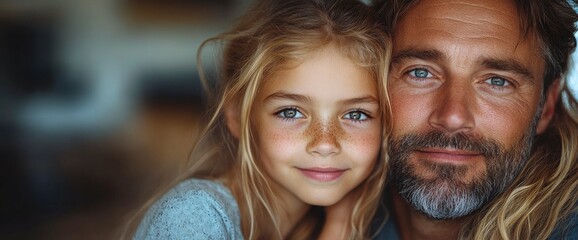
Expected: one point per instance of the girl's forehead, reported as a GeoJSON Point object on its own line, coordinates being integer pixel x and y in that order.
{"type": "Point", "coordinates": [322, 72]}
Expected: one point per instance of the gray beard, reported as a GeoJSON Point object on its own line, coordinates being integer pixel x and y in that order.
{"type": "Point", "coordinates": [446, 196]}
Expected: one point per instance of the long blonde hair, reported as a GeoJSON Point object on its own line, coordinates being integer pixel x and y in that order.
{"type": "Point", "coordinates": [270, 34]}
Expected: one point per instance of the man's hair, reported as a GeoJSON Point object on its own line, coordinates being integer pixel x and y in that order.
{"type": "Point", "coordinates": [546, 191]}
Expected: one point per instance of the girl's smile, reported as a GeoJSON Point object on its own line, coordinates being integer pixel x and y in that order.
{"type": "Point", "coordinates": [322, 175]}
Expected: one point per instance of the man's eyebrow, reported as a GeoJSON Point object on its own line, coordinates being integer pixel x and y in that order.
{"type": "Point", "coordinates": [509, 65]}
{"type": "Point", "coordinates": [412, 53]}
{"type": "Point", "coordinates": [287, 96]}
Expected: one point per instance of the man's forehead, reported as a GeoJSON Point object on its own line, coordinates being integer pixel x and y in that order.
{"type": "Point", "coordinates": [479, 17]}
{"type": "Point", "coordinates": [466, 31]}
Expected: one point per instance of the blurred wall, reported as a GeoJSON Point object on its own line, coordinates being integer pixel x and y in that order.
{"type": "Point", "coordinates": [99, 101]}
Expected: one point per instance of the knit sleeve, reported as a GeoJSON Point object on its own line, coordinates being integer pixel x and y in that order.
{"type": "Point", "coordinates": [195, 209]}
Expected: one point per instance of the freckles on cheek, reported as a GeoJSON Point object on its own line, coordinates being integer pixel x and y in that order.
{"type": "Point", "coordinates": [280, 140]}
{"type": "Point", "coordinates": [368, 143]}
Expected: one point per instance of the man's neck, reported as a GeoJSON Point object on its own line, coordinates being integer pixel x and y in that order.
{"type": "Point", "coordinates": [413, 225]}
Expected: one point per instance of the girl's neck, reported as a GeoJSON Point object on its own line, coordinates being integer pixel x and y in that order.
{"type": "Point", "coordinates": [292, 210]}
{"type": "Point", "coordinates": [337, 219]}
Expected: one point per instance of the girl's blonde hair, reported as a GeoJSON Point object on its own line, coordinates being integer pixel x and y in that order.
{"type": "Point", "coordinates": [271, 34]}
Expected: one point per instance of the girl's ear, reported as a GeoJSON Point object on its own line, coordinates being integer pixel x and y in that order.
{"type": "Point", "coordinates": [549, 107]}
{"type": "Point", "coordinates": [233, 119]}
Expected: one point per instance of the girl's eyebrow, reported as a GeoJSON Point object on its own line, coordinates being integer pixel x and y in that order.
{"type": "Point", "coordinates": [303, 99]}
{"type": "Point", "coordinates": [287, 96]}
{"type": "Point", "coordinates": [365, 99]}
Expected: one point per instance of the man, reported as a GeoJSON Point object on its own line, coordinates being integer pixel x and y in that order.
{"type": "Point", "coordinates": [483, 143]}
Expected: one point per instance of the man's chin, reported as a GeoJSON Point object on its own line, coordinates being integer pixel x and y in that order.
{"type": "Point", "coordinates": [429, 171]}
{"type": "Point", "coordinates": [442, 199]}
{"type": "Point", "coordinates": [443, 189]}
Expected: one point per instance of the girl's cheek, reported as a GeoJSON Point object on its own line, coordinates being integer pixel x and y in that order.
{"type": "Point", "coordinates": [282, 139]}
{"type": "Point", "coordinates": [369, 142]}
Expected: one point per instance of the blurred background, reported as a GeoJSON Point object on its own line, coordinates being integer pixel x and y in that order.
{"type": "Point", "coordinates": [99, 103]}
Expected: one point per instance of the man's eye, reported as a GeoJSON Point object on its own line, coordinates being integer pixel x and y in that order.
{"type": "Point", "coordinates": [289, 113]}
{"type": "Point", "coordinates": [356, 115]}
{"type": "Point", "coordinates": [498, 82]}
{"type": "Point", "coordinates": [420, 73]}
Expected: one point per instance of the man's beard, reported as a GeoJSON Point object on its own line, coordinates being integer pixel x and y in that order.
{"type": "Point", "coordinates": [446, 196]}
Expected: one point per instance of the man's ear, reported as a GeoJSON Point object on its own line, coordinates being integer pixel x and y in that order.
{"type": "Point", "coordinates": [549, 107]}
{"type": "Point", "coordinates": [233, 119]}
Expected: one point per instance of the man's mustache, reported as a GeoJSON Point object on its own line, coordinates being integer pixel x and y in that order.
{"type": "Point", "coordinates": [437, 139]}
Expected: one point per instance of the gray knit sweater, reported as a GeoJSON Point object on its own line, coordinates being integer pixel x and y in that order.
{"type": "Point", "coordinates": [194, 209]}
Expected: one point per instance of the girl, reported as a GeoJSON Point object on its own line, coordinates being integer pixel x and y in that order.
{"type": "Point", "coordinates": [301, 110]}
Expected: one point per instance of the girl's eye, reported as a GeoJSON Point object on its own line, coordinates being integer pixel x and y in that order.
{"type": "Point", "coordinates": [498, 82]}
{"type": "Point", "coordinates": [420, 73]}
{"type": "Point", "coordinates": [289, 113]}
{"type": "Point", "coordinates": [356, 116]}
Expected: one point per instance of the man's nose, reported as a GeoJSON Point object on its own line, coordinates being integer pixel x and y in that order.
{"type": "Point", "coordinates": [324, 138]}
{"type": "Point", "coordinates": [453, 107]}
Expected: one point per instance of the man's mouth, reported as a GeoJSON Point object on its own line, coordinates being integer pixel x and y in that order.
{"type": "Point", "coordinates": [447, 155]}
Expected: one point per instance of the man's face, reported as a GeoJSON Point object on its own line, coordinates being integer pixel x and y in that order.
{"type": "Point", "coordinates": [465, 88]}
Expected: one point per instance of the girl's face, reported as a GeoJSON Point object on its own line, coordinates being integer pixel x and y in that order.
{"type": "Point", "coordinates": [318, 128]}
